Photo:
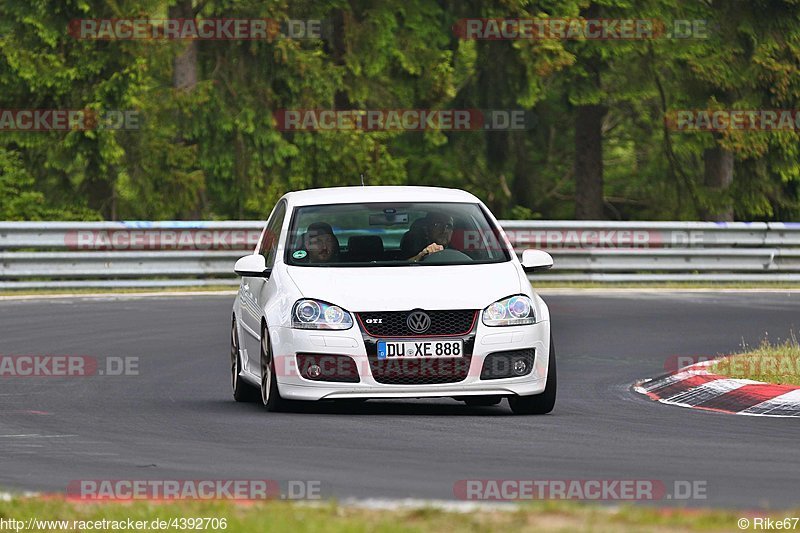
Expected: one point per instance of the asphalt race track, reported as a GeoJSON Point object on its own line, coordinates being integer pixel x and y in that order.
{"type": "Point", "coordinates": [177, 420]}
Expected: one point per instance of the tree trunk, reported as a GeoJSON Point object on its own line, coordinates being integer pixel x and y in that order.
{"type": "Point", "coordinates": [589, 162]}
{"type": "Point", "coordinates": [338, 49]}
{"type": "Point", "coordinates": [99, 192]}
{"type": "Point", "coordinates": [523, 187]}
{"type": "Point", "coordinates": [184, 66]}
{"type": "Point", "coordinates": [718, 164]}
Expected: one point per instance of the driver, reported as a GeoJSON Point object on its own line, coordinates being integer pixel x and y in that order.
{"type": "Point", "coordinates": [437, 231]}
{"type": "Point", "coordinates": [322, 244]}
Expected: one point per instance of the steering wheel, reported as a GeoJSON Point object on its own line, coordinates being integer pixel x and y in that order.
{"type": "Point", "coordinates": [448, 255]}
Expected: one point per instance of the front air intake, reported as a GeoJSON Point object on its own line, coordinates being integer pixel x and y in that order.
{"type": "Point", "coordinates": [509, 364]}
{"type": "Point", "coordinates": [327, 367]}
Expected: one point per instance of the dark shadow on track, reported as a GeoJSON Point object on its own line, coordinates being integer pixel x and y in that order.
{"type": "Point", "coordinates": [346, 407]}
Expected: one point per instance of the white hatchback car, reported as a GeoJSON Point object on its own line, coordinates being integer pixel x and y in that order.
{"type": "Point", "coordinates": [390, 292]}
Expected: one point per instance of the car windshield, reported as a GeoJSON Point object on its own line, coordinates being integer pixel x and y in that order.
{"type": "Point", "coordinates": [393, 234]}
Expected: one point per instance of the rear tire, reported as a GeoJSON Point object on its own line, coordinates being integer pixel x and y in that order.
{"type": "Point", "coordinates": [242, 392]}
{"type": "Point", "coordinates": [270, 395]}
{"type": "Point", "coordinates": [543, 403]}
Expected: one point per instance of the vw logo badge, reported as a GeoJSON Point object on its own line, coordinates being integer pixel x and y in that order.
{"type": "Point", "coordinates": [418, 321]}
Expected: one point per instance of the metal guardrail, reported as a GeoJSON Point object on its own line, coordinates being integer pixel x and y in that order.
{"type": "Point", "coordinates": [159, 254]}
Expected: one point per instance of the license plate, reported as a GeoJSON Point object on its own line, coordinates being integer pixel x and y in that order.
{"type": "Point", "coordinates": [419, 349]}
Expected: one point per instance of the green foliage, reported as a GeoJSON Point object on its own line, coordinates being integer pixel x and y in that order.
{"type": "Point", "coordinates": [213, 151]}
{"type": "Point", "coordinates": [20, 201]}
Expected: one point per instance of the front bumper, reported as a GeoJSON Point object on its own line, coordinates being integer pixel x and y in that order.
{"type": "Point", "coordinates": [287, 342]}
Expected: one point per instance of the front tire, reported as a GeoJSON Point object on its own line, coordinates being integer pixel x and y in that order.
{"type": "Point", "coordinates": [543, 403]}
{"type": "Point", "coordinates": [270, 395]}
{"type": "Point", "coordinates": [242, 392]}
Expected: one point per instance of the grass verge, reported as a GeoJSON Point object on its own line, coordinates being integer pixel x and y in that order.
{"type": "Point", "coordinates": [740, 285]}
{"type": "Point", "coordinates": [772, 363]}
{"type": "Point", "coordinates": [278, 516]}
{"type": "Point", "coordinates": [121, 290]}
{"type": "Point", "coordinates": [537, 284]}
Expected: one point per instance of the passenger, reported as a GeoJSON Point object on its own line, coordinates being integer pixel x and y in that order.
{"type": "Point", "coordinates": [321, 243]}
{"type": "Point", "coordinates": [436, 231]}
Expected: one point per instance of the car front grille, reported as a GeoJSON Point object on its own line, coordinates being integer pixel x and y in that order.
{"type": "Point", "coordinates": [458, 324]}
{"type": "Point", "coordinates": [393, 323]}
{"type": "Point", "coordinates": [420, 371]}
{"type": "Point", "coordinates": [500, 365]}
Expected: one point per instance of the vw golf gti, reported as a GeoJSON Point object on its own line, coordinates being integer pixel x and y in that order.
{"type": "Point", "coordinates": [355, 293]}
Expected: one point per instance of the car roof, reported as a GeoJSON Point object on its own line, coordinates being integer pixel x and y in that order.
{"type": "Point", "coordinates": [374, 193]}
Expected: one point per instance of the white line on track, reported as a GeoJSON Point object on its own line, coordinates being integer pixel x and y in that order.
{"type": "Point", "coordinates": [386, 504]}
{"type": "Point", "coordinates": [656, 290]}
{"type": "Point", "coordinates": [34, 436]}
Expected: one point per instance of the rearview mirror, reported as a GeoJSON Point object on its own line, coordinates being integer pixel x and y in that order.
{"type": "Point", "coordinates": [536, 260]}
{"type": "Point", "coordinates": [253, 266]}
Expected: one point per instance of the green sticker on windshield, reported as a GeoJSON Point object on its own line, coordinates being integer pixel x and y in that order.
{"type": "Point", "coordinates": [299, 254]}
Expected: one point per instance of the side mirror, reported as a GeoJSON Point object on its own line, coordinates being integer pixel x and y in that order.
{"type": "Point", "coordinates": [253, 266]}
{"type": "Point", "coordinates": [536, 260]}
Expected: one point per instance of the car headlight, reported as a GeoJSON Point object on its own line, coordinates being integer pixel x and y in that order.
{"type": "Point", "coordinates": [315, 314]}
{"type": "Point", "coordinates": [512, 311]}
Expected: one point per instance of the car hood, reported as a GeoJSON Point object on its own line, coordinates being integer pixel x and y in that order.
{"type": "Point", "coordinates": [408, 287]}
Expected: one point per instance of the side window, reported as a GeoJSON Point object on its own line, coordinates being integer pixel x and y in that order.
{"type": "Point", "coordinates": [269, 246]}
